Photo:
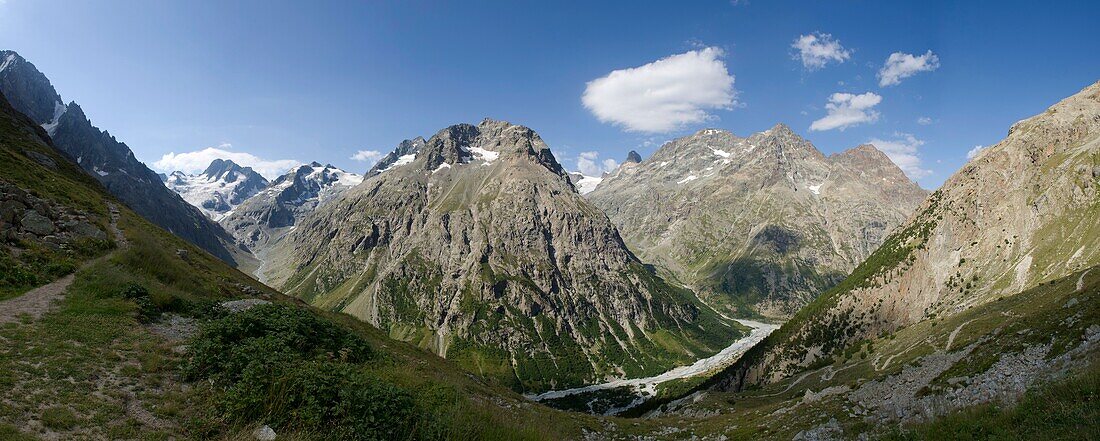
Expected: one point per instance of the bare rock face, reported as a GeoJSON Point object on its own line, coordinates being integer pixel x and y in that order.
{"type": "Point", "coordinates": [1022, 212]}
{"type": "Point", "coordinates": [761, 224]}
{"type": "Point", "coordinates": [478, 247]}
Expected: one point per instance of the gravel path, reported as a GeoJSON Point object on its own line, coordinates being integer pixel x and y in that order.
{"type": "Point", "coordinates": [36, 302]}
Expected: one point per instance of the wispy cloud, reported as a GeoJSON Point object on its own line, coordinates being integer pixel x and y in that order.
{"type": "Point", "coordinates": [924, 120]}
{"type": "Point", "coordinates": [368, 156]}
{"type": "Point", "coordinates": [904, 150]}
{"type": "Point", "coordinates": [974, 151]}
{"type": "Point", "coordinates": [845, 110]}
{"type": "Point", "coordinates": [664, 95]}
{"type": "Point", "coordinates": [196, 161]}
{"type": "Point", "coordinates": [589, 164]}
{"type": "Point", "coordinates": [817, 49]}
{"type": "Point", "coordinates": [900, 66]}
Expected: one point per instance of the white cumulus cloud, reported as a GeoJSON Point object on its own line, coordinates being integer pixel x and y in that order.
{"type": "Point", "coordinates": [817, 49]}
{"type": "Point", "coordinates": [900, 66]}
{"type": "Point", "coordinates": [368, 156]}
{"type": "Point", "coordinates": [904, 150]}
{"type": "Point", "coordinates": [196, 161]}
{"type": "Point", "coordinates": [589, 164]}
{"type": "Point", "coordinates": [974, 151]}
{"type": "Point", "coordinates": [846, 109]}
{"type": "Point", "coordinates": [664, 95]}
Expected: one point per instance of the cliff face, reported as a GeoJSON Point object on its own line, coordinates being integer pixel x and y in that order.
{"type": "Point", "coordinates": [758, 224]}
{"type": "Point", "coordinates": [478, 247]}
{"type": "Point", "coordinates": [1023, 212]}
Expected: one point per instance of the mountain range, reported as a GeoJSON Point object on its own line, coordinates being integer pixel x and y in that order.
{"type": "Point", "coordinates": [475, 245]}
{"type": "Point", "coordinates": [417, 301]}
{"type": "Point", "coordinates": [761, 224]}
{"type": "Point", "coordinates": [986, 289]}
{"type": "Point", "coordinates": [219, 189]}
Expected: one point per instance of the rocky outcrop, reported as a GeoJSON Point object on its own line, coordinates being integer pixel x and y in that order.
{"type": "Point", "coordinates": [478, 248]}
{"type": "Point", "coordinates": [757, 224]}
{"type": "Point", "coordinates": [110, 161]}
{"type": "Point", "coordinates": [25, 217]}
{"type": "Point", "coordinates": [1022, 212]}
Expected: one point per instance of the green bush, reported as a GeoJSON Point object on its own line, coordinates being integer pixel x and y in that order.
{"type": "Point", "coordinates": [295, 371]}
{"type": "Point", "coordinates": [266, 335]}
{"type": "Point", "coordinates": [146, 310]}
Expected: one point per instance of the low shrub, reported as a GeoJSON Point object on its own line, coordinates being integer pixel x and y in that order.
{"type": "Point", "coordinates": [296, 371]}
{"type": "Point", "coordinates": [146, 309]}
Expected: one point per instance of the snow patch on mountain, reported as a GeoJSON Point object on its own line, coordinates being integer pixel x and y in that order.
{"type": "Point", "coordinates": [7, 61]}
{"type": "Point", "coordinates": [586, 184]}
{"type": "Point", "coordinates": [402, 160]}
{"type": "Point", "coordinates": [485, 155]}
{"type": "Point", "coordinates": [59, 109]}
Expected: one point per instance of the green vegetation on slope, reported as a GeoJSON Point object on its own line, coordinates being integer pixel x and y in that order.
{"type": "Point", "coordinates": [111, 359]}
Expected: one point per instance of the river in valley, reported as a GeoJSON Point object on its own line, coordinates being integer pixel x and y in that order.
{"type": "Point", "coordinates": [645, 388]}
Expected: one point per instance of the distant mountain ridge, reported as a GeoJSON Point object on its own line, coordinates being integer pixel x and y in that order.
{"type": "Point", "coordinates": [219, 189]}
{"type": "Point", "coordinates": [110, 161]}
{"type": "Point", "coordinates": [260, 221]}
{"type": "Point", "coordinates": [759, 224]}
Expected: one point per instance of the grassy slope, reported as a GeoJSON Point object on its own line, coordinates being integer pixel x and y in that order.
{"type": "Point", "coordinates": [91, 369]}
{"type": "Point", "coordinates": [36, 264]}
{"type": "Point", "coordinates": [1034, 317]}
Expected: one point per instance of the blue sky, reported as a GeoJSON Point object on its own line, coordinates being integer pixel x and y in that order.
{"type": "Point", "coordinates": [307, 81]}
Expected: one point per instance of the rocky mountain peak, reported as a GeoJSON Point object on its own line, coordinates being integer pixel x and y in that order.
{"type": "Point", "coordinates": [813, 218]}
{"type": "Point", "coordinates": [475, 243]}
{"type": "Point", "coordinates": [219, 189]}
{"type": "Point", "coordinates": [460, 144]}
{"type": "Point", "coordinates": [27, 89]}
{"type": "Point", "coordinates": [863, 154]}
{"type": "Point", "coordinates": [633, 157]}
{"type": "Point", "coordinates": [229, 171]}
{"type": "Point", "coordinates": [784, 141]}
{"type": "Point", "coordinates": [406, 151]}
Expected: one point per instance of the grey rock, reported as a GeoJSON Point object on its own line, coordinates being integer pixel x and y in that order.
{"type": "Point", "coordinates": [36, 223]}
{"type": "Point", "coordinates": [40, 158]}
{"type": "Point", "coordinates": [265, 433]}
{"type": "Point", "coordinates": [11, 210]}
{"type": "Point", "coordinates": [243, 304]}
{"type": "Point", "coordinates": [85, 229]}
